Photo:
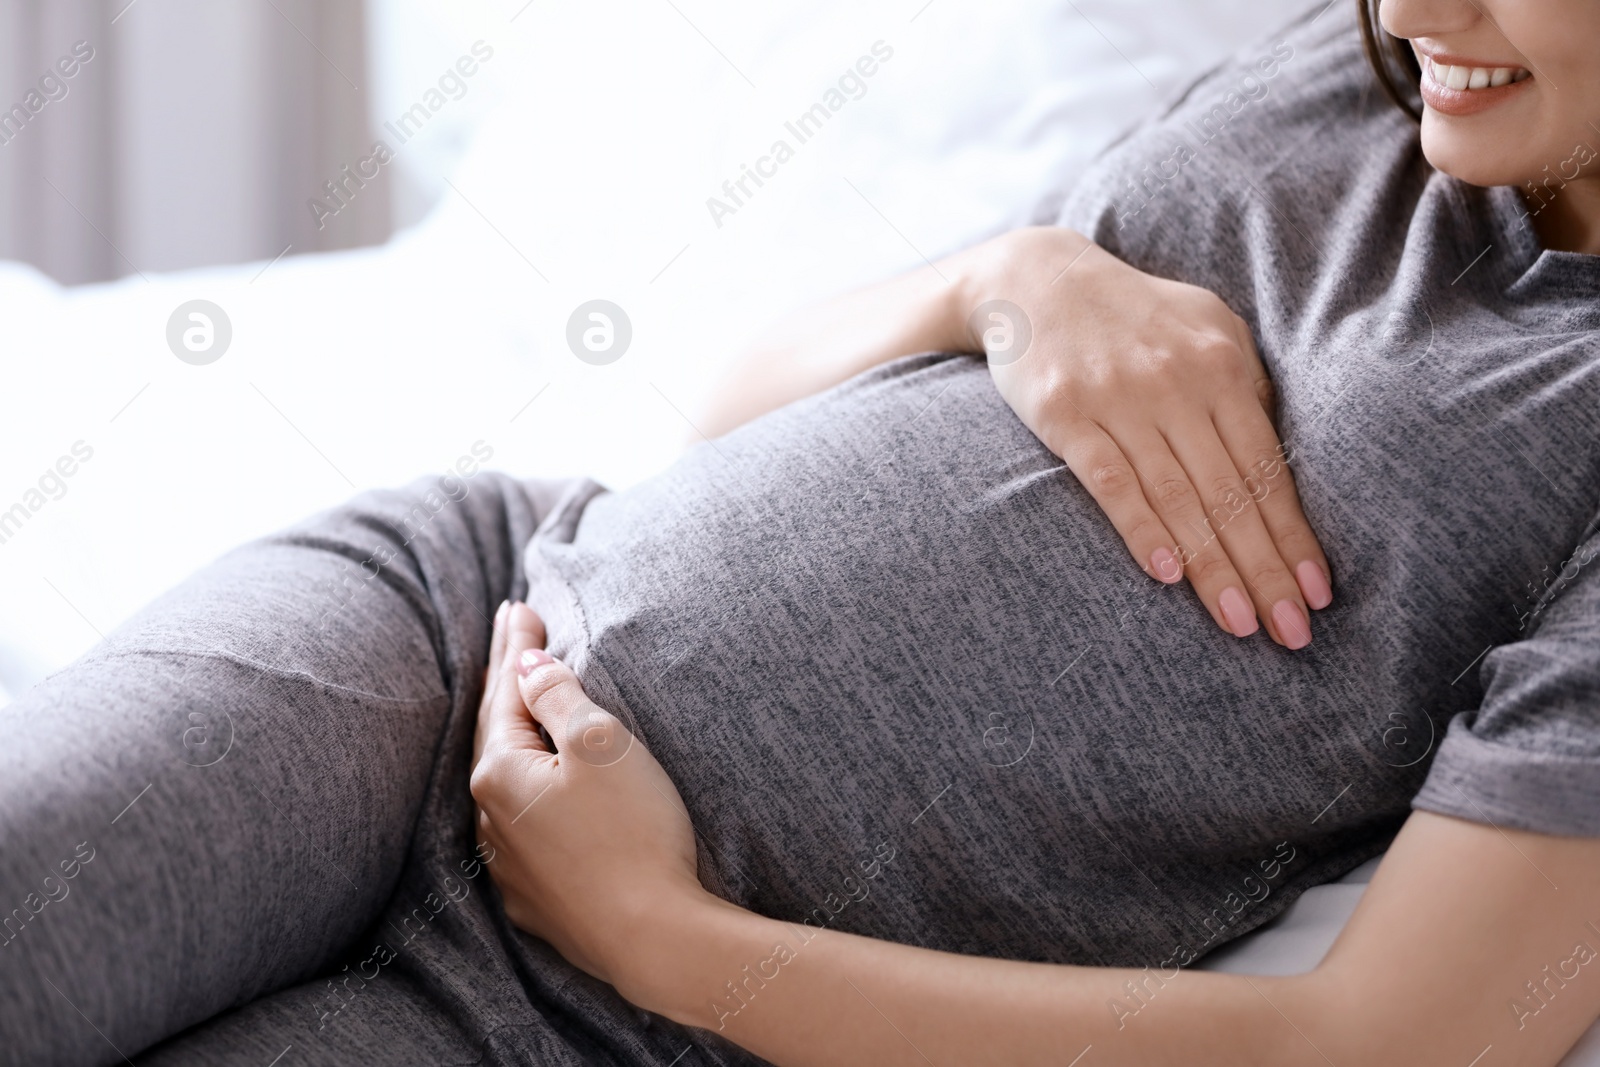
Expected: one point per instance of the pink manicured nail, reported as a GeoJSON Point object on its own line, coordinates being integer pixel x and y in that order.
{"type": "Point", "coordinates": [1313, 586]}
{"type": "Point", "coordinates": [1164, 565]}
{"type": "Point", "coordinates": [1292, 624]}
{"type": "Point", "coordinates": [1237, 612]}
{"type": "Point", "coordinates": [532, 660]}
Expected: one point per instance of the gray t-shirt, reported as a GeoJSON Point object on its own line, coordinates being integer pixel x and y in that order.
{"type": "Point", "coordinates": [911, 685]}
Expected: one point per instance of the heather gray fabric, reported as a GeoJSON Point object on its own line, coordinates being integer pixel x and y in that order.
{"type": "Point", "coordinates": [1439, 375]}
{"type": "Point", "coordinates": [898, 663]}
{"type": "Point", "coordinates": [888, 620]}
{"type": "Point", "coordinates": [251, 800]}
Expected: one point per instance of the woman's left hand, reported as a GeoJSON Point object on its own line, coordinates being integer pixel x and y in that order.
{"type": "Point", "coordinates": [592, 844]}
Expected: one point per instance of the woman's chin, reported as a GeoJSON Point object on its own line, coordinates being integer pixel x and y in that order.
{"type": "Point", "coordinates": [1477, 156]}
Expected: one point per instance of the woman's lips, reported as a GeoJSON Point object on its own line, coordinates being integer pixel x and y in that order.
{"type": "Point", "coordinates": [1447, 87]}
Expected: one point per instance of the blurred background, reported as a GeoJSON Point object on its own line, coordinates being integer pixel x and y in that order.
{"type": "Point", "coordinates": [390, 213]}
{"type": "Point", "coordinates": [197, 127]}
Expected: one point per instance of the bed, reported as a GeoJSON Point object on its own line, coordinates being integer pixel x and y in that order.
{"type": "Point", "coordinates": [604, 174]}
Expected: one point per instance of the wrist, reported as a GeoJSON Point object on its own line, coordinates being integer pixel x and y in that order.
{"type": "Point", "coordinates": [1007, 267]}
{"type": "Point", "coordinates": [701, 957]}
{"type": "Point", "coordinates": [974, 274]}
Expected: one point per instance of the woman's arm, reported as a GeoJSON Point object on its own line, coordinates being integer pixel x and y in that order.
{"type": "Point", "coordinates": [820, 346]}
{"type": "Point", "coordinates": [1149, 390]}
{"type": "Point", "coordinates": [1433, 969]}
{"type": "Point", "coordinates": [1472, 946]}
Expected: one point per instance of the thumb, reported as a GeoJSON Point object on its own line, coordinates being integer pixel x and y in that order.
{"type": "Point", "coordinates": [579, 727]}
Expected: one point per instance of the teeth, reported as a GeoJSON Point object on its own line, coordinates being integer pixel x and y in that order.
{"type": "Point", "coordinates": [1469, 78]}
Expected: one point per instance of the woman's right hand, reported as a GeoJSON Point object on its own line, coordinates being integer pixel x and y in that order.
{"type": "Point", "coordinates": [1152, 393]}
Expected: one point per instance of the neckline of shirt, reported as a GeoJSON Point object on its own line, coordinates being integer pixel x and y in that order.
{"type": "Point", "coordinates": [1507, 224]}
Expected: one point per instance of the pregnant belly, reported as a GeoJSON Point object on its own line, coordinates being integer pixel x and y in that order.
{"type": "Point", "coordinates": [910, 685]}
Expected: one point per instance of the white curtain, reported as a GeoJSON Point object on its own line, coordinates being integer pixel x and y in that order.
{"type": "Point", "coordinates": [162, 134]}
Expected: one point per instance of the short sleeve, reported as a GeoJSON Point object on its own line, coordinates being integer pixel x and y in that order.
{"type": "Point", "coordinates": [1529, 757]}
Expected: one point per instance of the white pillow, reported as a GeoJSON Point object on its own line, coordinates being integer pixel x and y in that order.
{"type": "Point", "coordinates": [629, 119]}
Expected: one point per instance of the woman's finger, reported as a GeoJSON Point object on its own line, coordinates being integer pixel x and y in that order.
{"type": "Point", "coordinates": [1260, 457]}
{"type": "Point", "coordinates": [497, 646]}
{"type": "Point", "coordinates": [505, 717]}
{"type": "Point", "coordinates": [1235, 522]}
{"type": "Point", "coordinates": [1102, 468]}
{"type": "Point", "coordinates": [514, 758]}
{"type": "Point", "coordinates": [1266, 393]}
{"type": "Point", "coordinates": [1171, 493]}
{"type": "Point", "coordinates": [491, 674]}
{"type": "Point", "coordinates": [497, 649]}
{"type": "Point", "coordinates": [580, 727]}
{"type": "Point", "coordinates": [525, 623]}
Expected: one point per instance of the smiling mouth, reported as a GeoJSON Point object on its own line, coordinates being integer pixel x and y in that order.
{"type": "Point", "coordinates": [1469, 79]}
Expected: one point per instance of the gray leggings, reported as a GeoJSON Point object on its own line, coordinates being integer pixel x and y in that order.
{"type": "Point", "coordinates": [239, 829]}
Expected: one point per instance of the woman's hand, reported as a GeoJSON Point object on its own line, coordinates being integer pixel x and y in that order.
{"type": "Point", "coordinates": [592, 845]}
{"type": "Point", "coordinates": [1150, 390]}
{"type": "Point", "coordinates": [1152, 393]}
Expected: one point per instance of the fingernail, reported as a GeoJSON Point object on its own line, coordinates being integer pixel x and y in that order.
{"type": "Point", "coordinates": [500, 615]}
{"type": "Point", "coordinates": [532, 660]}
{"type": "Point", "coordinates": [1313, 585]}
{"type": "Point", "coordinates": [1237, 613]}
{"type": "Point", "coordinates": [1292, 624]}
{"type": "Point", "coordinates": [1164, 565]}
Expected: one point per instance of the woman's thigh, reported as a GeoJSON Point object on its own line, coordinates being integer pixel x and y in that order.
{"type": "Point", "coordinates": [219, 799]}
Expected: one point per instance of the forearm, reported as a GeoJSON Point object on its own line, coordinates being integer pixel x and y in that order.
{"type": "Point", "coordinates": [795, 995]}
{"type": "Point", "coordinates": [1433, 970]}
{"type": "Point", "coordinates": [818, 347]}
{"type": "Point", "coordinates": [821, 346]}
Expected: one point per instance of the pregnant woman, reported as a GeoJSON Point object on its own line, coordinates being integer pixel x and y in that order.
{"type": "Point", "coordinates": [856, 737]}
